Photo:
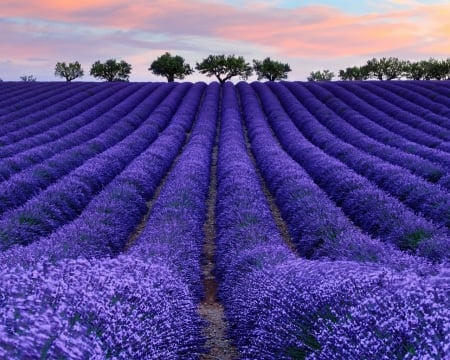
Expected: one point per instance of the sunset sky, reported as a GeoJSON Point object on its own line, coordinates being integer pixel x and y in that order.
{"type": "Point", "coordinates": [308, 35]}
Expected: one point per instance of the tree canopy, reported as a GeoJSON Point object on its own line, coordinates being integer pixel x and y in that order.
{"type": "Point", "coordinates": [69, 71]}
{"type": "Point", "coordinates": [224, 67]}
{"type": "Point", "coordinates": [172, 67]}
{"type": "Point", "coordinates": [325, 75]}
{"type": "Point", "coordinates": [270, 69]}
{"type": "Point", "coordinates": [354, 73]}
{"type": "Point", "coordinates": [386, 68]}
{"type": "Point", "coordinates": [111, 70]}
{"type": "Point", "coordinates": [28, 78]}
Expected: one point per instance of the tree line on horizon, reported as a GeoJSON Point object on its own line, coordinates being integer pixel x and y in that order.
{"type": "Point", "coordinates": [391, 68]}
{"type": "Point", "coordinates": [225, 67]}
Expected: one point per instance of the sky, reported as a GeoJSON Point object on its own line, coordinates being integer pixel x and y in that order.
{"type": "Point", "coordinates": [308, 35]}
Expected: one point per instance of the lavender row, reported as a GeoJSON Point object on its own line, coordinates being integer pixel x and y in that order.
{"type": "Point", "coordinates": [11, 91]}
{"type": "Point", "coordinates": [384, 117]}
{"type": "Point", "coordinates": [339, 310]}
{"type": "Point", "coordinates": [439, 104]}
{"type": "Point", "coordinates": [428, 199]}
{"type": "Point", "coordinates": [280, 307]}
{"type": "Point", "coordinates": [92, 122]}
{"type": "Point", "coordinates": [371, 209]}
{"type": "Point", "coordinates": [391, 105]}
{"type": "Point", "coordinates": [50, 104]}
{"type": "Point", "coordinates": [147, 312]}
{"type": "Point", "coordinates": [343, 130]}
{"type": "Point", "coordinates": [318, 228]}
{"type": "Point", "coordinates": [367, 123]}
{"type": "Point", "coordinates": [439, 87]}
{"type": "Point", "coordinates": [174, 230]}
{"type": "Point", "coordinates": [247, 238]}
{"type": "Point", "coordinates": [415, 104]}
{"type": "Point", "coordinates": [120, 308]}
{"type": "Point", "coordinates": [244, 222]}
{"type": "Point", "coordinates": [64, 200]}
{"type": "Point", "coordinates": [105, 225]}
{"type": "Point", "coordinates": [28, 183]}
{"type": "Point", "coordinates": [12, 100]}
{"type": "Point", "coordinates": [77, 116]}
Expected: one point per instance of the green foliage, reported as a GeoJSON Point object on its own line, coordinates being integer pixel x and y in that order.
{"type": "Point", "coordinates": [325, 75]}
{"type": "Point", "coordinates": [394, 68]}
{"type": "Point", "coordinates": [354, 73]}
{"type": "Point", "coordinates": [28, 78]}
{"type": "Point", "coordinates": [270, 69]}
{"type": "Point", "coordinates": [386, 68]}
{"type": "Point", "coordinates": [172, 67]}
{"type": "Point", "coordinates": [69, 71]}
{"type": "Point", "coordinates": [436, 69]}
{"type": "Point", "coordinates": [111, 70]}
{"type": "Point", "coordinates": [416, 70]}
{"type": "Point", "coordinates": [224, 67]}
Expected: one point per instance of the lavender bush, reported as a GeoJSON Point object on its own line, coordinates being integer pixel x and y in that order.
{"type": "Point", "coordinates": [371, 209]}
{"type": "Point", "coordinates": [413, 103]}
{"type": "Point", "coordinates": [105, 225]}
{"type": "Point", "coordinates": [425, 198]}
{"type": "Point", "coordinates": [115, 308]}
{"type": "Point", "coordinates": [343, 130]}
{"type": "Point", "coordinates": [368, 123]}
{"type": "Point", "coordinates": [82, 115]}
{"type": "Point", "coordinates": [29, 120]}
{"type": "Point", "coordinates": [103, 277]}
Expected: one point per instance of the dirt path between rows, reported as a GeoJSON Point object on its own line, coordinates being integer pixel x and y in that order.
{"type": "Point", "coordinates": [210, 308]}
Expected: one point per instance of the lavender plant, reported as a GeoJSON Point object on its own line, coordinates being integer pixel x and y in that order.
{"type": "Point", "coordinates": [368, 123]}
{"type": "Point", "coordinates": [35, 109]}
{"type": "Point", "coordinates": [425, 198]}
{"type": "Point", "coordinates": [343, 130]}
{"type": "Point", "coordinates": [105, 225]}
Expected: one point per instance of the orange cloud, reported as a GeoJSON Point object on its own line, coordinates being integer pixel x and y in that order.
{"type": "Point", "coordinates": [113, 28]}
{"type": "Point", "coordinates": [305, 31]}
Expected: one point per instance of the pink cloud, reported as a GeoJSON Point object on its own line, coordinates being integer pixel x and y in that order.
{"type": "Point", "coordinates": [305, 31]}
{"type": "Point", "coordinates": [114, 28]}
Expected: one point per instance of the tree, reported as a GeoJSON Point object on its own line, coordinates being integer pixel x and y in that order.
{"type": "Point", "coordinates": [437, 69]}
{"type": "Point", "coordinates": [270, 69]}
{"type": "Point", "coordinates": [325, 75]}
{"type": "Point", "coordinates": [172, 67]}
{"type": "Point", "coordinates": [111, 70]}
{"type": "Point", "coordinates": [416, 70]}
{"type": "Point", "coordinates": [28, 78]}
{"type": "Point", "coordinates": [354, 73]}
{"type": "Point", "coordinates": [69, 71]}
{"type": "Point", "coordinates": [224, 67]}
{"type": "Point", "coordinates": [386, 68]}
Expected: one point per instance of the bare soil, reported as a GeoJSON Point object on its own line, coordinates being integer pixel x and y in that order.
{"type": "Point", "coordinates": [210, 308]}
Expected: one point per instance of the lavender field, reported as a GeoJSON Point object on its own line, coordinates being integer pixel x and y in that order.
{"type": "Point", "coordinates": [319, 210]}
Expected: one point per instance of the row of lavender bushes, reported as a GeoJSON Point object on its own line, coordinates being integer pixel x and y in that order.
{"type": "Point", "coordinates": [368, 120]}
{"type": "Point", "coordinates": [138, 306]}
{"type": "Point", "coordinates": [282, 307]}
{"type": "Point", "coordinates": [142, 304]}
{"type": "Point", "coordinates": [375, 212]}
{"type": "Point", "coordinates": [26, 117]}
{"type": "Point", "coordinates": [65, 199]}
{"type": "Point", "coordinates": [49, 141]}
{"type": "Point", "coordinates": [110, 130]}
{"type": "Point", "coordinates": [428, 199]}
{"type": "Point", "coordinates": [332, 107]}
